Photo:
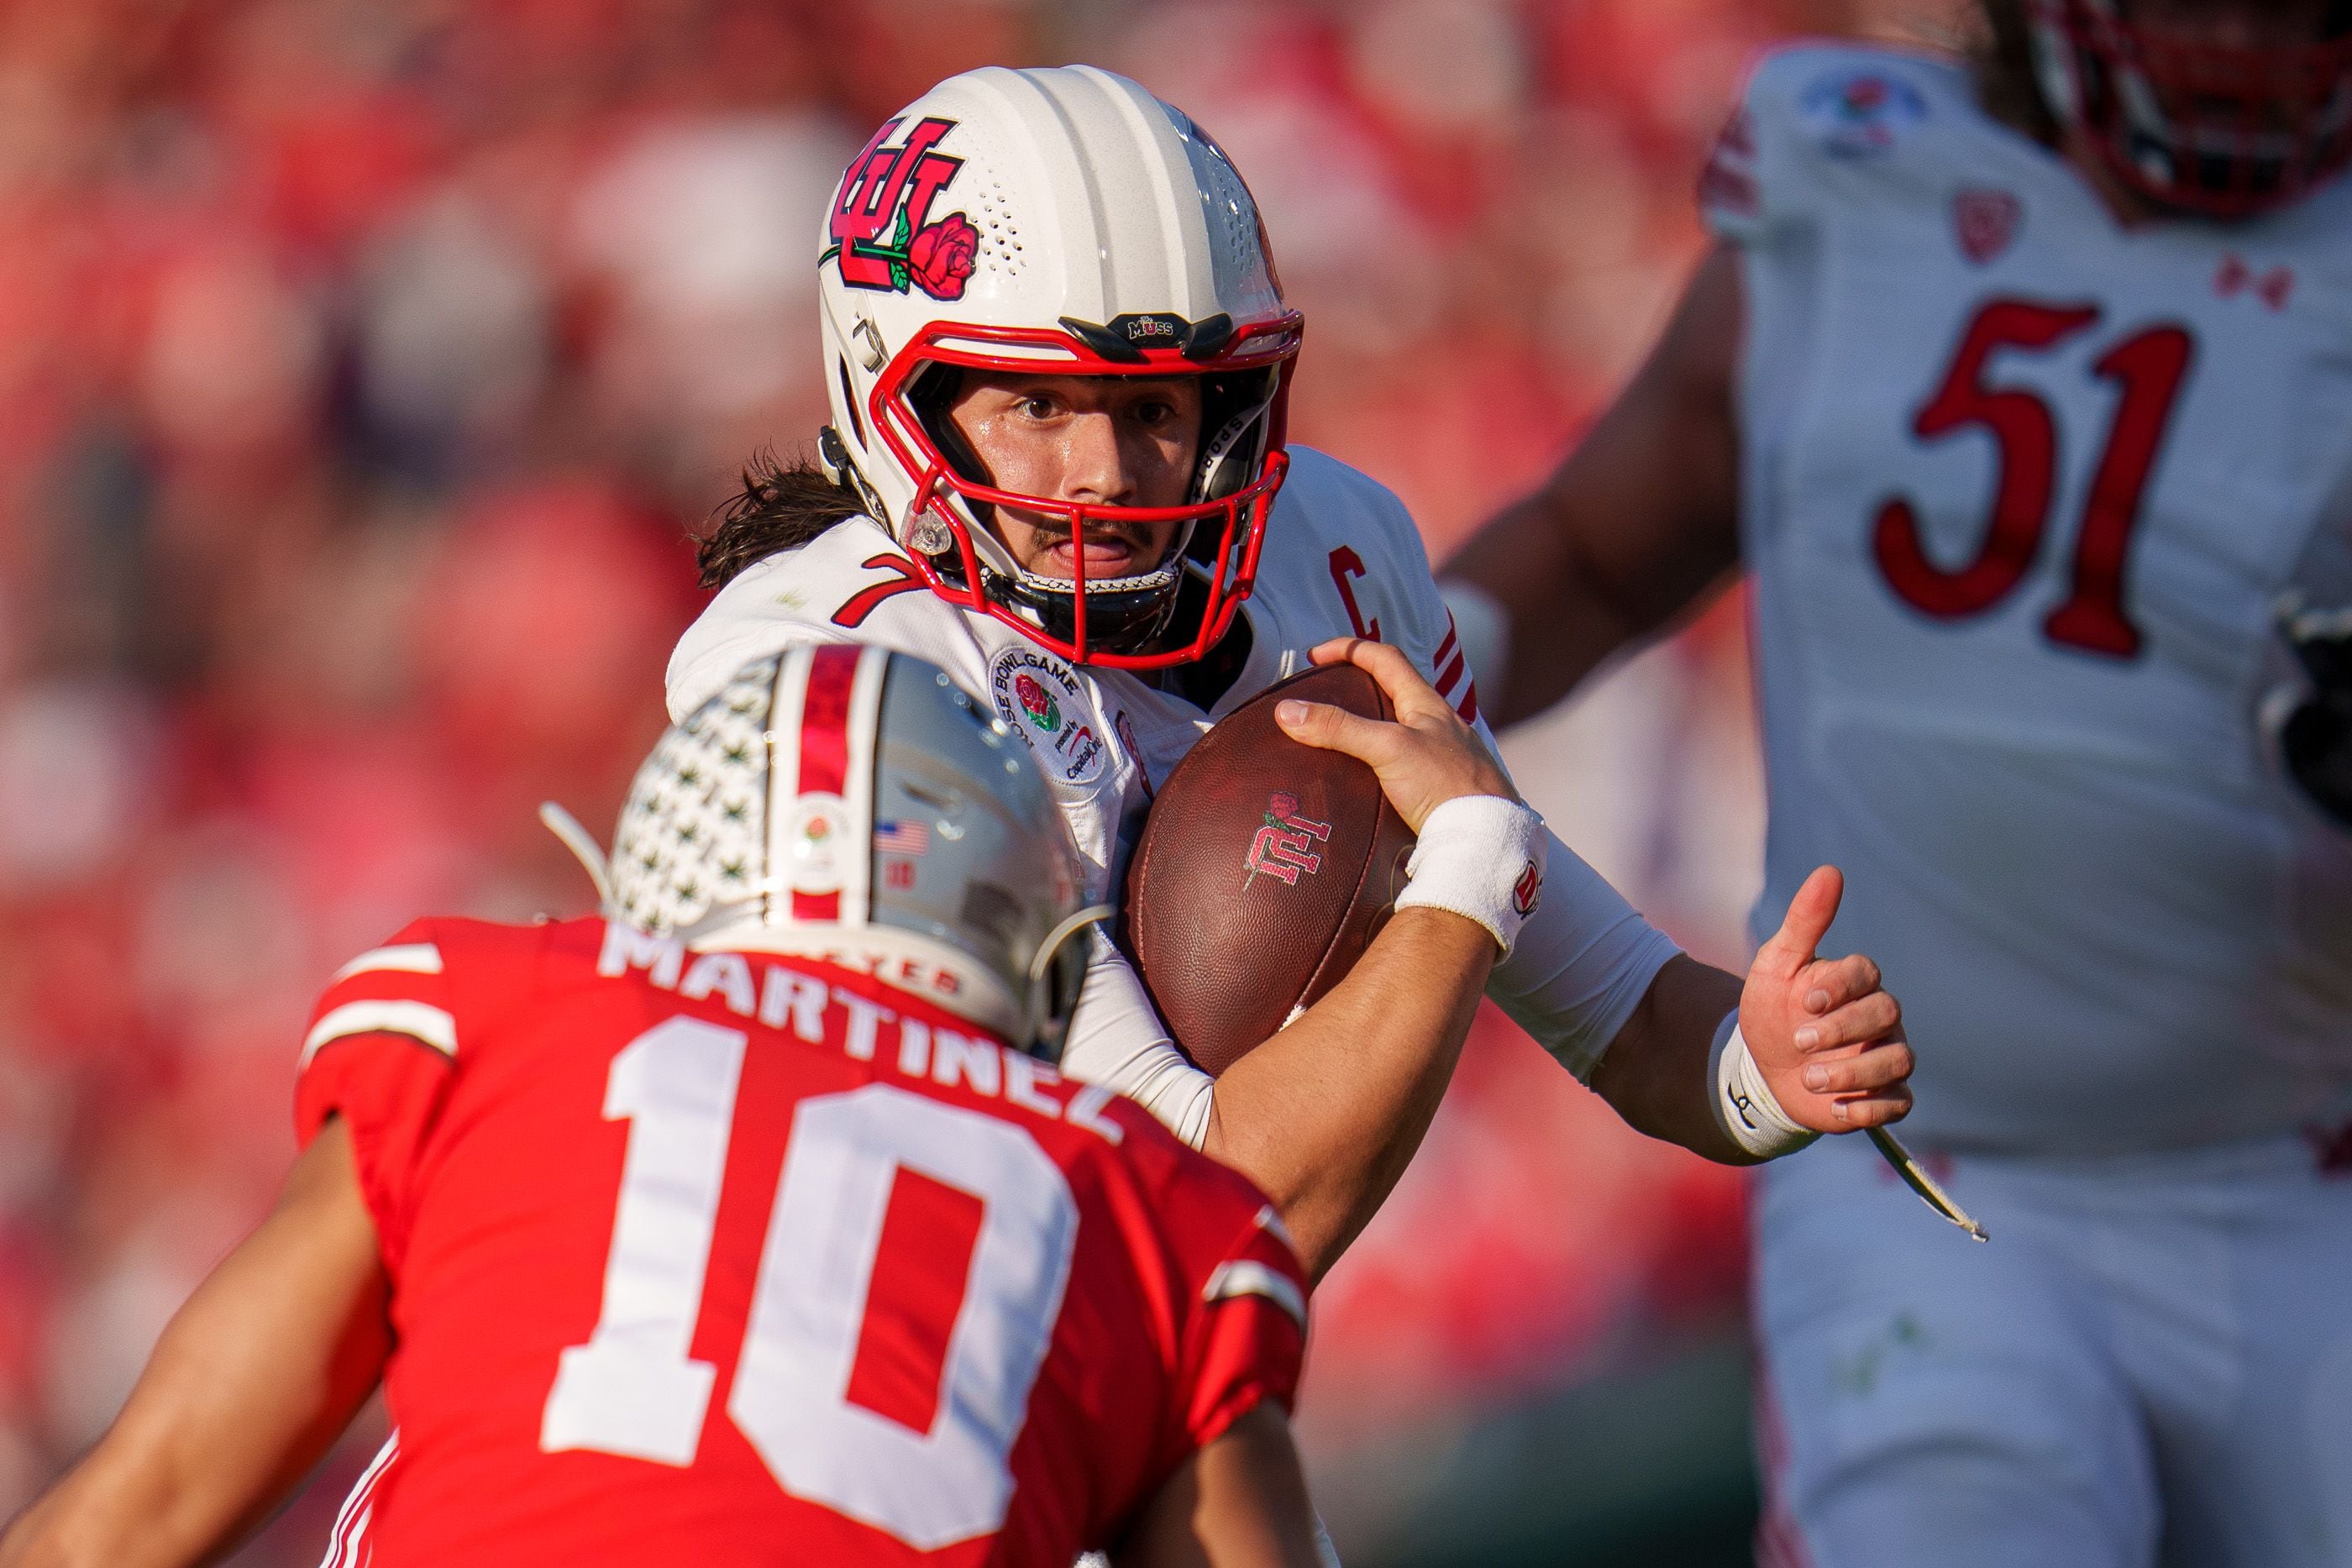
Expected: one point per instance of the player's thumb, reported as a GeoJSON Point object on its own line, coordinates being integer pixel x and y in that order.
{"type": "Point", "coordinates": [1330, 728]}
{"type": "Point", "coordinates": [1791, 947]}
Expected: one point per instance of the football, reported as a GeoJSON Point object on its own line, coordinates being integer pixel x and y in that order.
{"type": "Point", "coordinates": [1265, 870]}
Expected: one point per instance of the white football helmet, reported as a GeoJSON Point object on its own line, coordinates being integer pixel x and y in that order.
{"type": "Point", "coordinates": [854, 805]}
{"type": "Point", "coordinates": [1066, 221]}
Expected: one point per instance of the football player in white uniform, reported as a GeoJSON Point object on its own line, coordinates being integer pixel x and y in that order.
{"type": "Point", "coordinates": [2022, 390]}
{"type": "Point", "coordinates": [1059, 355]}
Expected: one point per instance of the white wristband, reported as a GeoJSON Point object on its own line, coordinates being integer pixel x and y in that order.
{"type": "Point", "coordinates": [1481, 856]}
{"type": "Point", "coordinates": [1744, 1103]}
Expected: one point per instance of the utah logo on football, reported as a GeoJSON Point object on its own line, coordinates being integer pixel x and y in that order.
{"type": "Point", "coordinates": [1285, 845]}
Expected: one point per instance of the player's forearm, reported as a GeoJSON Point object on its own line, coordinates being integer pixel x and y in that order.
{"type": "Point", "coordinates": [1562, 620]}
{"type": "Point", "coordinates": [119, 1507]}
{"type": "Point", "coordinates": [1241, 1502]}
{"type": "Point", "coordinates": [1327, 1114]}
{"type": "Point", "coordinates": [1639, 524]}
{"type": "Point", "coordinates": [171, 1484]}
{"type": "Point", "coordinates": [250, 1384]}
{"type": "Point", "coordinates": [1656, 1074]}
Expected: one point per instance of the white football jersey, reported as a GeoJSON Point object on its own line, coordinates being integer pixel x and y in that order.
{"type": "Point", "coordinates": [1341, 557]}
{"type": "Point", "coordinates": [2022, 489]}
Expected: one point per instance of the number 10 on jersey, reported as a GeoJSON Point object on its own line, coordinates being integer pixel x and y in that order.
{"type": "Point", "coordinates": [2147, 368]}
{"type": "Point", "coordinates": [634, 1389]}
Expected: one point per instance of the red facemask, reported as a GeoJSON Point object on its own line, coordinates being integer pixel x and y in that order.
{"type": "Point", "coordinates": [2220, 130]}
{"type": "Point", "coordinates": [1218, 552]}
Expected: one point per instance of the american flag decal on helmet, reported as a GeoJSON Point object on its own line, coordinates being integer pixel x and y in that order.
{"type": "Point", "coordinates": [902, 838]}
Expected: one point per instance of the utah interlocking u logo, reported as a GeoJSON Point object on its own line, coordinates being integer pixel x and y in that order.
{"type": "Point", "coordinates": [888, 192]}
{"type": "Point", "coordinates": [1285, 845]}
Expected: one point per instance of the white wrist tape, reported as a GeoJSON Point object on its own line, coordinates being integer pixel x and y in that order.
{"type": "Point", "coordinates": [1481, 856]}
{"type": "Point", "coordinates": [1744, 1103]}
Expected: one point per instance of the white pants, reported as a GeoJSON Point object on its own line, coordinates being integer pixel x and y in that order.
{"type": "Point", "coordinates": [2150, 1361]}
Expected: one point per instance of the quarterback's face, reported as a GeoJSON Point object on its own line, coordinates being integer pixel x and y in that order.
{"type": "Point", "coordinates": [1116, 441]}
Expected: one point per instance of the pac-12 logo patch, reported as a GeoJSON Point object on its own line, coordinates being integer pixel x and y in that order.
{"type": "Point", "coordinates": [1039, 699]}
{"type": "Point", "coordinates": [1859, 113]}
{"type": "Point", "coordinates": [1284, 845]}
{"type": "Point", "coordinates": [1984, 220]}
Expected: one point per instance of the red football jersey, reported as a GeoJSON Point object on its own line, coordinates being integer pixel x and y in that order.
{"type": "Point", "coordinates": [733, 1259]}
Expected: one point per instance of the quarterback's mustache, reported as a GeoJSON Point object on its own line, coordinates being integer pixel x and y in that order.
{"type": "Point", "coordinates": [1132, 536]}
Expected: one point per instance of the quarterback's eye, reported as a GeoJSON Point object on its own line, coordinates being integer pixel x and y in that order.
{"type": "Point", "coordinates": [1038, 405]}
{"type": "Point", "coordinates": [1154, 411]}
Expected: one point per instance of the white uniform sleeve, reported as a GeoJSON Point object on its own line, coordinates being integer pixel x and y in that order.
{"type": "Point", "coordinates": [1582, 963]}
{"type": "Point", "coordinates": [743, 623]}
{"type": "Point", "coordinates": [1585, 958]}
{"type": "Point", "coordinates": [1784, 160]}
{"type": "Point", "coordinates": [1117, 1040]}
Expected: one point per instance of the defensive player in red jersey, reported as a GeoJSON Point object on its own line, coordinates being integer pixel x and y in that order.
{"type": "Point", "coordinates": [2021, 388]}
{"type": "Point", "coordinates": [751, 1223]}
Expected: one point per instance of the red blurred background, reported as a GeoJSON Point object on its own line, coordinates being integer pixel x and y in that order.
{"type": "Point", "coordinates": [362, 366]}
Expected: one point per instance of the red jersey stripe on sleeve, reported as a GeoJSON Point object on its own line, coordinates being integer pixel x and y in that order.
{"type": "Point", "coordinates": [400, 988]}
{"type": "Point", "coordinates": [361, 1062]}
{"type": "Point", "coordinates": [1450, 666]}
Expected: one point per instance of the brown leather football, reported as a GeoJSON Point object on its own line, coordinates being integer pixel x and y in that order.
{"type": "Point", "coordinates": [1265, 870]}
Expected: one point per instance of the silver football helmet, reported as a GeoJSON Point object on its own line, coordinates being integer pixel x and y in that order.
{"type": "Point", "coordinates": [854, 805]}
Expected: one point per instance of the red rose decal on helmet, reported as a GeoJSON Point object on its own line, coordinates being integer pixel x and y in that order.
{"type": "Point", "coordinates": [942, 256]}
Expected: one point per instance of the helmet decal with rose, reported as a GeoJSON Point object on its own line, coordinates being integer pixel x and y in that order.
{"type": "Point", "coordinates": [894, 187]}
{"type": "Point", "coordinates": [939, 258]}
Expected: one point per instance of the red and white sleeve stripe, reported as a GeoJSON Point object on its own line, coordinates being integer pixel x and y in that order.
{"type": "Point", "coordinates": [347, 1543]}
{"type": "Point", "coordinates": [397, 988]}
{"type": "Point", "coordinates": [1450, 674]}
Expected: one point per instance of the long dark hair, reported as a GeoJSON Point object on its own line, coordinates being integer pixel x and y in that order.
{"type": "Point", "coordinates": [2002, 54]}
{"type": "Point", "coordinates": [782, 506]}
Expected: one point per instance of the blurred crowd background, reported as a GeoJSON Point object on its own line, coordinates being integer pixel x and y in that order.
{"type": "Point", "coordinates": [364, 364]}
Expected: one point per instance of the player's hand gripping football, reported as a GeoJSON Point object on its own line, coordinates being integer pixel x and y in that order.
{"type": "Point", "coordinates": [1424, 758]}
{"type": "Point", "coordinates": [1826, 1035]}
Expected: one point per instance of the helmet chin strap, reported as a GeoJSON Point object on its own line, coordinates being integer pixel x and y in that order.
{"type": "Point", "coordinates": [1068, 928]}
{"type": "Point", "coordinates": [582, 845]}
{"type": "Point", "coordinates": [1160, 576]}
{"type": "Point", "coordinates": [833, 456]}
{"type": "Point", "coordinates": [1051, 1013]}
